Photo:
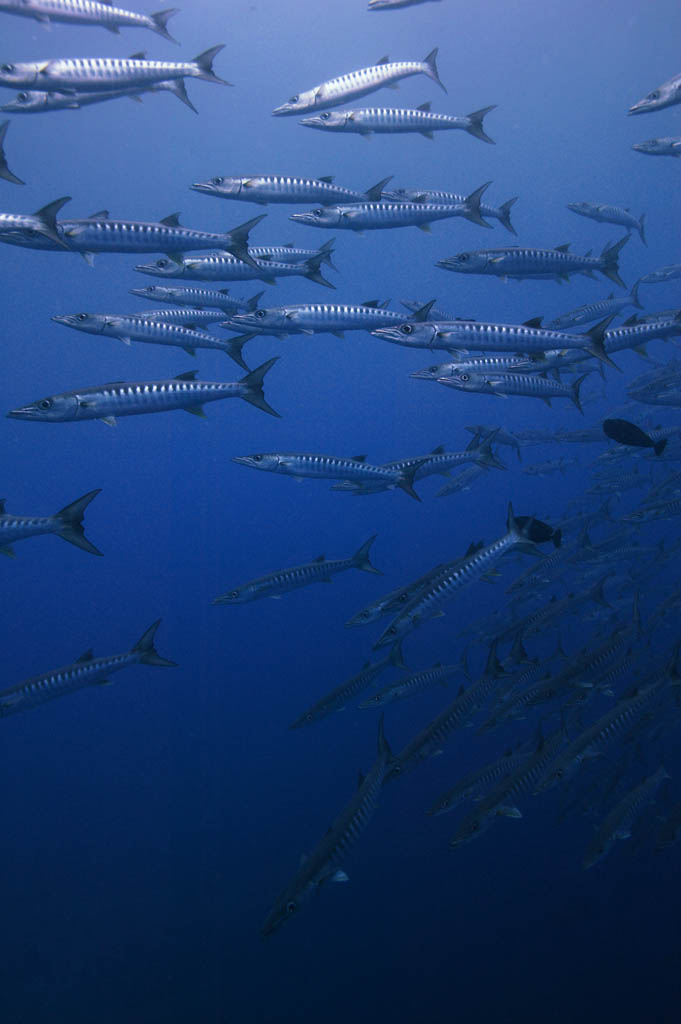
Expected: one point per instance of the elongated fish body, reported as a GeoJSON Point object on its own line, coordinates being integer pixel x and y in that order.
{"type": "Point", "coordinates": [342, 695]}
{"type": "Point", "coordinates": [619, 823]}
{"type": "Point", "coordinates": [666, 95]}
{"type": "Point", "coordinates": [516, 262]}
{"type": "Point", "coordinates": [332, 850]}
{"type": "Point", "coordinates": [103, 74]}
{"type": "Point", "coordinates": [395, 599]}
{"type": "Point", "coordinates": [447, 583]}
{"type": "Point", "coordinates": [291, 254]}
{"type": "Point", "coordinates": [606, 214]}
{"type": "Point", "coordinates": [438, 461]}
{"type": "Point", "coordinates": [665, 510]}
{"type": "Point", "coordinates": [338, 91]}
{"type": "Point", "coordinates": [315, 318]}
{"type": "Point", "coordinates": [283, 580]}
{"type": "Point", "coordinates": [481, 364]}
{"type": "Point", "coordinates": [634, 336]}
{"type": "Point", "coordinates": [40, 226]}
{"type": "Point", "coordinates": [438, 675]}
{"type": "Point", "coordinates": [35, 101]}
{"type": "Point", "coordinates": [434, 312]}
{"type": "Point", "coordinates": [669, 832]}
{"type": "Point", "coordinates": [463, 481]}
{"type": "Point", "coordinates": [223, 267]}
{"type": "Point", "coordinates": [478, 783]}
{"type": "Point", "coordinates": [430, 195]}
{"type": "Point", "coordinates": [198, 298]}
{"type": "Point", "coordinates": [385, 5]}
{"type": "Point", "coordinates": [327, 467]}
{"type": "Point", "coordinates": [108, 401]}
{"type": "Point", "coordinates": [670, 273]}
{"type": "Point", "coordinates": [279, 188]}
{"type": "Point", "coordinates": [595, 311]}
{"type": "Point", "coordinates": [138, 328]}
{"type": "Point", "coordinates": [376, 216]}
{"type": "Point", "coordinates": [5, 172]}
{"type": "Point", "coordinates": [393, 121]}
{"type": "Point", "coordinates": [668, 146]}
{"type": "Point", "coordinates": [521, 384]}
{"type": "Point", "coordinates": [87, 671]}
{"type": "Point", "coordinates": [89, 12]}
{"type": "Point", "coordinates": [196, 318]}
{"type": "Point", "coordinates": [67, 524]}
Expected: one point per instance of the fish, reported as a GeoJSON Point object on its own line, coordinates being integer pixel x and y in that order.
{"type": "Point", "coordinates": [337, 91]}
{"type": "Point", "coordinates": [86, 671]}
{"type": "Point", "coordinates": [318, 317]}
{"type": "Point", "coordinates": [666, 95]}
{"type": "Point", "coordinates": [90, 12]}
{"type": "Point", "coordinates": [388, 602]}
{"type": "Point", "coordinates": [332, 467]}
{"type": "Point", "coordinates": [5, 172]}
{"type": "Point", "coordinates": [523, 384]}
{"type": "Point", "coordinates": [667, 146]}
{"type": "Point", "coordinates": [479, 364]}
{"type": "Point", "coordinates": [67, 523]}
{"type": "Point", "coordinates": [196, 319]}
{"type": "Point", "coordinates": [276, 188]}
{"type": "Point", "coordinates": [384, 5]}
{"type": "Point", "coordinates": [39, 101]}
{"type": "Point", "coordinates": [39, 225]}
{"type": "Point", "coordinates": [606, 214]}
{"type": "Point", "coordinates": [332, 849]}
{"type": "Point", "coordinates": [668, 273]}
{"type": "Point", "coordinates": [477, 784]}
{"type": "Point", "coordinates": [321, 570]}
{"type": "Point", "coordinates": [105, 74]}
{"type": "Point", "coordinates": [516, 263]}
{"type": "Point", "coordinates": [198, 298]}
{"type": "Point", "coordinates": [223, 267]}
{"type": "Point", "coordinates": [501, 213]}
{"type": "Point", "coordinates": [620, 821]}
{"type": "Point", "coordinates": [375, 216]}
{"type": "Point", "coordinates": [628, 433]}
{"type": "Point", "coordinates": [595, 311]}
{"type": "Point", "coordinates": [367, 121]}
{"type": "Point", "coordinates": [122, 398]}
{"type": "Point", "coordinates": [437, 675]}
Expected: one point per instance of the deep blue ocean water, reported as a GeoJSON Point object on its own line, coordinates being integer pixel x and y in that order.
{"type": "Point", "coordinates": [149, 826]}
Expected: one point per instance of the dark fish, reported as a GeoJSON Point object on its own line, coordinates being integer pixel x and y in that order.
{"type": "Point", "coordinates": [625, 432]}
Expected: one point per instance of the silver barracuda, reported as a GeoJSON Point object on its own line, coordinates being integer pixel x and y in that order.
{"type": "Point", "coordinates": [463, 481]}
{"type": "Point", "coordinates": [437, 675]}
{"type": "Point", "coordinates": [291, 254]}
{"type": "Point", "coordinates": [521, 384]}
{"type": "Point", "coordinates": [666, 95]}
{"type": "Point", "coordinates": [395, 599]}
{"type": "Point", "coordinates": [595, 311]}
{"type": "Point", "coordinates": [274, 584]}
{"type": "Point", "coordinates": [39, 225]}
{"type": "Point", "coordinates": [606, 214]}
{"type": "Point", "coordinates": [222, 267]}
{"type": "Point", "coordinates": [481, 364]}
{"type": "Point", "coordinates": [384, 5]}
{"type": "Point", "coordinates": [155, 332]}
{"type": "Point", "coordinates": [477, 784]}
{"type": "Point", "coordinates": [501, 213]}
{"type": "Point", "coordinates": [86, 671]}
{"type": "Point", "coordinates": [351, 86]}
{"type": "Point", "coordinates": [90, 12]}
{"type": "Point", "coordinates": [318, 318]}
{"type": "Point", "coordinates": [395, 120]}
{"type": "Point", "coordinates": [194, 318]}
{"type": "Point", "coordinates": [668, 146]}
{"type": "Point", "coordinates": [376, 216]}
{"type": "Point", "coordinates": [67, 523]}
{"type": "Point", "coordinates": [198, 298]}
{"type": "Point", "coordinates": [108, 401]}
{"type": "Point", "coordinates": [620, 821]}
{"type": "Point", "coordinates": [279, 188]}
{"type": "Point", "coordinates": [517, 262]}
{"type": "Point", "coordinates": [5, 172]}
{"type": "Point", "coordinates": [105, 74]}
{"type": "Point", "coordinates": [331, 851]}
{"type": "Point", "coordinates": [35, 101]}
{"type": "Point", "coordinates": [669, 273]}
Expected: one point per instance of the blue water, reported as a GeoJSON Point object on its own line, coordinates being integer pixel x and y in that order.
{"type": "Point", "coordinates": [148, 827]}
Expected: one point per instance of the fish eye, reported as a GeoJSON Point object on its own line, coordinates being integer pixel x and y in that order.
{"type": "Point", "coordinates": [234, 593]}
{"type": "Point", "coordinates": [83, 404]}
{"type": "Point", "coordinates": [318, 213]}
{"type": "Point", "coordinates": [8, 68]}
{"type": "Point", "coordinates": [260, 314]}
{"type": "Point", "coordinates": [294, 99]}
{"type": "Point", "coordinates": [475, 825]}
{"type": "Point", "coordinates": [464, 377]}
{"type": "Point", "coordinates": [257, 458]}
{"type": "Point", "coordinates": [406, 329]}
{"type": "Point", "coordinates": [45, 404]}
{"type": "Point", "coordinates": [23, 96]}
{"type": "Point", "coordinates": [463, 257]}
{"type": "Point", "coordinates": [162, 263]}
{"type": "Point", "coordinates": [218, 181]}
{"type": "Point", "coordinates": [655, 95]}
{"type": "Point", "coordinates": [81, 317]}
{"type": "Point", "coordinates": [325, 116]}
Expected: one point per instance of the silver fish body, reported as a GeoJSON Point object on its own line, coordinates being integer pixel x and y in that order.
{"type": "Point", "coordinates": [341, 695]}
{"type": "Point", "coordinates": [501, 213]}
{"type": "Point", "coordinates": [89, 12]}
{"type": "Point", "coordinates": [36, 101]}
{"type": "Point", "coordinates": [315, 318]}
{"type": "Point", "coordinates": [279, 188]}
{"type": "Point", "coordinates": [619, 823]}
{"type": "Point", "coordinates": [144, 329]}
{"type": "Point", "coordinates": [438, 675]}
{"type": "Point", "coordinates": [223, 267]}
{"type": "Point", "coordinates": [666, 95]}
{"type": "Point", "coordinates": [382, 215]}
{"type": "Point", "coordinates": [67, 524]}
{"type": "Point", "coordinates": [668, 146]}
{"type": "Point", "coordinates": [595, 311]}
{"type": "Point", "coordinates": [521, 384]}
{"type": "Point", "coordinates": [608, 214]}
{"type": "Point", "coordinates": [198, 298]}
{"type": "Point", "coordinates": [395, 120]}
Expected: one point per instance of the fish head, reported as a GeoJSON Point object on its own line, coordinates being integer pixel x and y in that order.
{"type": "Point", "coordinates": [463, 381]}
{"type": "Point", "coordinates": [52, 409]}
{"type": "Point", "coordinates": [376, 700]}
{"type": "Point", "coordinates": [394, 632]}
{"type": "Point", "coordinates": [153, 291]}
{"type": "Point", "coordinates": [93, 323]}
{"type": "Point", "coordinates": [650, 146]}
{"type": "Point", "coordinates": [26, 102]}
{"type": "Point", "coordinates": [583, 208]}
{"type": "Point", "coordinates": [473, 262]}
{"type": "Point", "coordinates": [322, 217]}
{"type": "Point", "coordinates": [664, 96]}
{"type": "Point", "coordinates": [411, 334]}
{"type": "Point", "coordinates": [15, 75]}
{"type": "Point", "coordinates": [298, 103]}
{"type": "Point", "coordinates": [219, 186]}
{"type": "Point", "coordinates": [237, 596]}
{"type": "Point", "coordinates": [267, 461]}
{"type": "Point", "coordinates": [331, 120]}
{"type": "Point", "coordinates": [259, 319]}
{"type": "Point", "coordinates": [163, 267]}
{"type": "Point", "coordinates": [364, 617]}
{"type": "Point", "coordinates": [285, 907]}
{"type": "Point", "coordinates": [471, 828]}
{"type": "Point", "coordinates": [433, 372]}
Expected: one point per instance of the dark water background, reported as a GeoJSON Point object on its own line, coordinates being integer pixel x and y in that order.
{"type": "Point", "coordinates": [148, 827]}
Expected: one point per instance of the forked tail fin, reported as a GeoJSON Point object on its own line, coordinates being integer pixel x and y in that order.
{"type": "Point", "coordinates": [71, 520]}
{"type": "Point", "coordinates": [147, 653]}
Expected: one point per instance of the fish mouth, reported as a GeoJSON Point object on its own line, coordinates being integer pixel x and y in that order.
{"type": "Point", "coordinates": [392, 333]}
{"type": "Point", "coordinates": [203, 186]}
{"type": "Point", "coordinates": [299, 217]}
{"type": "Point", "coordinates": [142, 292]}
{"type": "Point", "coordinates": [24, 412]}
{"type": "Point", "coordinates": [424, 375]}
{"type": "Point", "coordinates": [641, 107]}
{"type": "Point", "coordinates": [281, 111]}
{"type": "Point", "coordinates": [307, 121]}
{"type": "Point", "coordinates": [243, 460]}
{"type": "Point", "coordinates": [65, 318]}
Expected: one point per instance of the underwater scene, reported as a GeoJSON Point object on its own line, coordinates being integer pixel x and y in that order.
{"type": "Point", "coordinates": [433, 249]}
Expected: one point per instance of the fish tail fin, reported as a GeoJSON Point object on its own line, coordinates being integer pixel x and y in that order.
{"type": "Point", "coordinates": [575, 391]}
{"type": "Point", "coordinates": [233, 348]}
{"type": "Point", "coordinates": [596, 593]}
{"type": "Point", "coordinates": [475, 127]}
{"type": "Point", "coordinates": [611, 257]}
{"type": "Point", "coordinates": [406, 481]}
{"type": "Point", "coordinates": [660, 446]}
{"type": "Point", "coordinates": [313, 273]}
{"type": "Point", "coordinates": [252, 303]}
{"type": "Point", "coordinates": [472, 204]}
{"type": "Point", "coordinates": [47, 216]}
{"type": "Point", "coordinates": [493, 666]}
{"type": "Point", "coordinates": [327, 250]}
{"type": "Point", "coordinates": [237, 241]}
{"type": "Point", "coordinates": [71, 523]}
{"type": "Point", "coordinates": [4, 169]}
{"type": "Point", "coordinates": [521, 534]}
{"type": "Point", "coordinates": [641, 229]}
{"type": "Point", "coordinates": [361, 559]}
{"type": "Point", "coordinates": [484, 456]}
{"type": "Point", "coordinates": [383, 746]}
{"type": "Point", "coordinates": [160, 20]}
{"type": "Point", "coordinates": [505, 214]}
{"type": "Point", "coordinates": [204, 65]}
{"type": "Point", "coordinates": [634, 296]}
{"type": "Point", "coordinates": [396, 657]}
{"type": "Point", "coordinates": [596, 337]}
{"type": "Point", "coordinates": [177, 87]}
{"type": "Point", "coordinates": [253, 384]}
{"type": "Point", "coordinates": [148, 655]}
{"type": "Point", "coordinates": [431, 68]}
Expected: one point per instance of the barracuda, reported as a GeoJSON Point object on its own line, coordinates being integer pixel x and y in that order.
{"type": "Point", "coordinates": [67, 524]}
{"type": "Point", "coordinates": [595, 311]}
{"type": "Point", "coordinates": [333, 848]}
{"type": "Point", "coordinates": [86, 671]}
{"type": "Point", "coordinates": [351, 86]}
{"type": "Point", "coordinates": [279, 188]}
{"type": "Point", "coordinates": [90, 12]}
{"type": "Point", "coordinates": [383, 5]}
{"type": "Point", "coordinates": [319, 318]}
{"type": "Point", "coordinates": [220, 267]}
{"type": "Point", "coordinates": [96, 74]}
{"type": "Point", "coordinates": [668, 273]}
{"type": "Point", "coordinates": [395, 599]}
{"type": "Point", "coordinates": [670, 145]}
{"type": "Point", "coordinates": [375, 216]}
{"type": "Point", "coordinates": [447, 583]}
{"type": "Point", "coordinates": [483, 364]}
{"type": "Point", "coordinates": [198, 298]}
{"type": "Point", "coordinates": [120, 398]}
{"type": "Point", "coordinates": [606, 214]}
{"type": "Point", "coordinates": [194, 318]}
{"type": "Point", "coordinates": [430, 195]}
{"type": "Point", "coordinates": [620, 821]}
{"type": "Point", "coordinates": [391, 120]}
{"type": "Point", "coordinates": [521, 384]}
{"type": "Point", "coordinates": [516, 262]}
{"type": "Point", "coordinates": [666, 95]}
{"type": "Point", "coordinates": [438, 675]}
{"type": "Point", "coordinates": [477, 784]}
{"type": "Point", "coordinates": [39, 225]}
{"type": "Point", "coordinates": [37, 102]}
{"type": "Point", "coordinates": [155, 332]}
{"type": "Point", "coordinates": [290, 254]}
{"type": "Point", "coordinates": [274, 584]}
{"type": "Point", "coordinates": [5, 172]}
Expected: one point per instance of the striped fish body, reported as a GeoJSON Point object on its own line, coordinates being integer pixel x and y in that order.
{"type": "Point", "coordinates": [222, 267]}
{"type": "Point", "coordinates": [618, 339]}
{"type": "Point", "coordinates": [106, 235]}
{"type": "Point", "coordinates": [592, 311]}
{"type": "Point", "coordinates": [438, 675]}
{"type": "Point", "coordinates": [422, 466]}
{"type": "Point", "coordinates": [669, 273]}
{"type": "Point", "coordinates": [316, 318]}
{"type": "Point", "coordinates": [281, 253]}
{"type": "Point", "coordinates": [337, 91]}
{"type": "Point", "coordinates": [618, 824]}
{"type": "Point", "coordinates": [320, 467]}
{"type": "Point", "coordinates": [517, 262]}
{"type": "Point", "coordinates": [342, 695]}
{"type": "Point", "coordinates": [35, 101]}
{"type": "Point", "coordinates": [462, 482]}
{"type": "Point", "coordinates": [666, 510]}
{"type": "Point", "coordinates": [85, 12]}
{"type": "Point", "coordinates": [607, 214]}
{"type": "Point", "coordinates": [481, 364]}
{"type": "Point", "coordinates": [197, 298]}
{"type": "Point", "coordinates": [43, 688]}
{"type": "Point", "coordinates": [521, 384]}
{"type": "Point", "coordinates": [474, 336]}
{"type": "Point", "coordinates": [14, 527]}
{"type": "Point", "coordinates": [476, 785]}
{"type": "Point", "coordinates": [386, 120]}
{"type": "Point", "coordinates": [389, 602]}
{"type": "Point", "coordinates": [143, 329]}
{"type": "Point", "coordinates": [277, 188]}
{"type": "Point", "coordinates": [377, 216]}
{"type": "Point", "coordinates": [97, 74]}
{"type": "Point", "coordinates": [180, 317]}
{"type": "Point", "coordinates": [430, 195]}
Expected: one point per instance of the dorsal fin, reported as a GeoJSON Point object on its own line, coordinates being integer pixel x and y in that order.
{"type": "Point", "coordinates": [2, 506]}
{"type": "Point", "coordinates": [384, 60]}
{"type": "Point", "coordinates": [171, 221]}
{"type": "Point", "coordinates": [439, 450]}
{"type": "Point", "coordinates": [563, 248]}
{"type": "Point", "coordinates": [99, 215]}
{"type": "Point", "coordinates": [140, 55]}
{"type": "Point", "coordinates": [425, 106]}
{"type": "Point", "coordinates": [86, 656]}
{"type": "Point", "coordinates": [326, 178]}
{"type": "Point", "coordinates": [631, 321]}
{"type": "Point", "coordinates": [358, 458]}
{"type": "Point", "coordinates": [189, 375]}
{"type": "Point", "coordinates": [534, 321]}
{"type": "Point", "coordinates": [319, 558]}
